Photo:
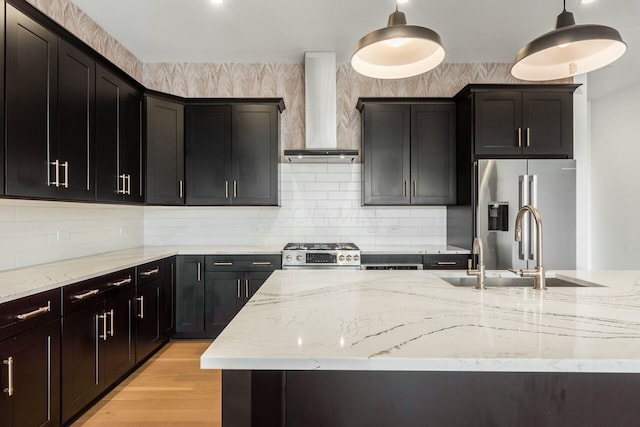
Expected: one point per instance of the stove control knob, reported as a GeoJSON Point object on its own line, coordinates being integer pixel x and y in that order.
{"type": "Point", "coordinates": [288, 258]}
{"type": "Point", "coordinates": [356, 257]}
{"type": "Point", "coordinates": [298, 257]}
{"type": "Point", "coordinates": [341, 258]}
{"type": "Point", "coordinates": [348, 257]}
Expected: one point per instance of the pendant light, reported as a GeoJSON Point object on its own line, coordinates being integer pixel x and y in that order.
{"type": "Point", "coordinates": [398, 50]}
{"type": "Point", "coordinates": [568, 50]}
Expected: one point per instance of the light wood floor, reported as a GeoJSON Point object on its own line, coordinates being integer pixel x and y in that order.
{"type": "Point", "coordinates": [168, 390]}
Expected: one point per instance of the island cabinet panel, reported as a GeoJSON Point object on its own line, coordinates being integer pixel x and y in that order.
{"type": "Point", "coordinates": [409, 152]}
{"type": "Point", "coordinates": [165, 151]}
{"type": "Point", "coordinates": [231, 154]}
{"type": "Point", "coordinates": [30, 361]}
{"type": "Point", "coordinates": [118, 139]}
{"type": "Point", "coordinates": [31, 105]}
{"type": "Point", "coordinates": [211, 290]}
{"type": "Point", "coordinates": [97, 337]}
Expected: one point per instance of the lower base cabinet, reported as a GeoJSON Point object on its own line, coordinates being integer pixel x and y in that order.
{"type": "Point", "coordinates": [30, 378]}
{"type": "Point", "coordinates": [211, 290]}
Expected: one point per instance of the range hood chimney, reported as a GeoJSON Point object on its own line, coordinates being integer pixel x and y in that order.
{"type": "Point", "coordinates": [320, 113]}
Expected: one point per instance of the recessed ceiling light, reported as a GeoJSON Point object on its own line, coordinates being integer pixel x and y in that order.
{"type": "Point", "coordinates": [587, 1]}
{"type": "Point", "coordinates": [217, 1]}
{"type": "Point", "coordinates": [407, 1]}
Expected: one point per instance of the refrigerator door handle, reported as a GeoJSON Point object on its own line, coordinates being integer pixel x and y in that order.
{"type": "Point", "coordinates": [523, 200]}
{"type": "Point", "coordinates": [533, 201]}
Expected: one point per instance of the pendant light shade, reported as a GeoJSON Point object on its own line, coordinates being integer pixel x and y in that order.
{"type": "Point", "coordinates": [398, 50]}
{"type": "Point", "coordinates": [568, 50]}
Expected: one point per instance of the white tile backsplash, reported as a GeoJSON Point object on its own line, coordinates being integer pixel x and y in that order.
{"type": "Point", "coordinates": [35, 232]}
{"type": "Point", "coordinates": [318, 202]}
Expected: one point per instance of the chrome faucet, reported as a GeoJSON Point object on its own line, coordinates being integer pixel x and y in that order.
{"type": "Point", "coordinates": [538, 272]}
{"type": "Point", "coordinates": [479, 271]}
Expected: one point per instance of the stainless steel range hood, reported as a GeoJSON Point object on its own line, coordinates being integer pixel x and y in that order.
{"type": "Point", "coordinates": [320, 112]}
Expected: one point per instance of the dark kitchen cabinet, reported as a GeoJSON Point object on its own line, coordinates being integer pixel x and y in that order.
{"type": "Point", "coordinates": [409, 152]}
{"type": "Point", "coordinates": [212, 289]}
{"type": "Point", "coordinates": [30, 361]}
{"type": "Point", "coordinates": [519, 120]}
{"type": "Point", "coordinates": [168, 302]}
{"type": "Point", "coordinates": [2, 104]}
{"type": "Point", "coordinates": [231, 154]}
{"type": "Point", "coordinates": [97, 338]}
{"type": "Point", "coordinates": [118, 139]}
{"type": "Point", "coordinates": [31, 107]}
{"type": "Point", "coordinates": [165, 151]}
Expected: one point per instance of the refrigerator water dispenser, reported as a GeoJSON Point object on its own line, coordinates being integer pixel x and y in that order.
{"type": "Point", "coordinates": [498, 216]}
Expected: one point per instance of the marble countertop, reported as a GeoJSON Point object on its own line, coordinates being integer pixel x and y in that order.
{"type": "Point", "coordinates": [413, 320]}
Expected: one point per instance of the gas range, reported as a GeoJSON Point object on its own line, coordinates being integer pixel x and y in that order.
{"type": "Point", "coordinates": [321, 255]}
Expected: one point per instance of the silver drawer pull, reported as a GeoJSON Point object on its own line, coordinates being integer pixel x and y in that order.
{"type": "Point", "coordinates": [262, 263]}
{"type": "Point", "coordinates": [150, 272]}
{"type": "Point", "coordinates": [33, 313]}
{"type": "Point", "coordinates": [86, 294]}
{"type": "Point", "coordinates": [112, 332]}
{"type": "Point", "coordinates": [223, 263]}
{"type": "Point", "coordinates": [105, 333]}
{"type": "Point", "coordinates": [447, 263]}
{"type": "Point", "coordinates": [122, 282]}
{"type": "Point", "coordinates": [9, 363]}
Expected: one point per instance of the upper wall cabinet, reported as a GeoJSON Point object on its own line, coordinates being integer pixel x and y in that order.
{"type": "Point", "coordinates": [231, 154]}
{"type": "Point", "coordinates": [518, 120]}
{"type": "Point", "coordinates": [409, 151]}
{"type": "Point", "coordinates": [165, 151]}
{"type": "Point", "coordinates": [118, 139]}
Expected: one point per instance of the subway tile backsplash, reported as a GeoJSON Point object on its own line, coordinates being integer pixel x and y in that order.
{"type": "Point", "coordinates": [319, 202]}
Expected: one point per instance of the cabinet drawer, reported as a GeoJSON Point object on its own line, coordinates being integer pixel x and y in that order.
{"type": "Point", "coordinates": [149, 271]}
{"type": "Point", "coordinates": [83, 294]}
{"type": "Point", "coordinates": [243, 262]}
{"type": "Point", "coordinates": [28, 312]}
{"type": "Point", "coordinates": [446, 262]}
{"type": "Point", "coordinates": [398, 259]}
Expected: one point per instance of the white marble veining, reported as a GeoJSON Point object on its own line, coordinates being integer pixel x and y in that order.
{"type": "Point", "coordinates": [413, 320]}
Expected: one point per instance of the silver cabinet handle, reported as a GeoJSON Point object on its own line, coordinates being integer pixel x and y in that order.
{"type": "Point", "coordinates": [415, 188]}
{"type": "Point", "coordinates": [449, 263]}
{"type": "Point", "coordinates": [150, 272]}
{"type": "Point", "coordinates": [141, 314]}
{"type": "Point", "coordinates": [519, 137]}
{"type": "Point", "coordinates": [226, 189]}
{"type": "Point", "coordinates": [129, 185]}
{"type": "Point", "coordinates": [223, 263]}
{"type": "Point", "coordinates": [246, 288]}
{"type": "Point", "coordinates": [65, 184]}
{"type": "Point", "coordinates": [235, 188]}
{"type": "Point", "coordinates": [199, 272]}
{"type": "Point", "coordinates": [528, 137]}
{"type": "Point", "coordinates": [121, 282]}
{"type": "Point", "coordinates": [122, 177]}
{"type": "Point", "coordinates": [86, 294]}
{"type": "Point", "coordinates": [57, 174]}
{"type": "Point", "coordinates": [36, 312]}
{"type": "Point", "coordinates": [238, 287]}
{"type": "Point", "coordinates": [104, 335]}
{"type": "Point", "coordinates": [181, 189]}
{"type": "Point", "coordinates": [112, 331]}
{"type": "Point", "coordinates": [262, 263]}
{"type": "Point", "coordinates": [9, 363]}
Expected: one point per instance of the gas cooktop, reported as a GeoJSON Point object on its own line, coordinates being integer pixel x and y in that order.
{"type": "Point", "coordinates": [323, 255]}
{"type": "Point", "coordinates": [321, 247]}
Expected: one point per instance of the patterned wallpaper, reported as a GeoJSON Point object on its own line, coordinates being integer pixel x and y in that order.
{"type": "Point", "coordinates": [78, 23]}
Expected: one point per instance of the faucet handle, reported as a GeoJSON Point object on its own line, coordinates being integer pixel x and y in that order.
{"type": "Point", "coordinates": [516, 272]}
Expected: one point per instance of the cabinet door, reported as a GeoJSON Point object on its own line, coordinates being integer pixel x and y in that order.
{"type": "Point", "coordinates": [168, 298]}
{"type": "Point", "coordinates": [81, 377]}
{"type": "Point", "coordinates": [386, 146]}
{"type": "Point", "coordinates": [165, 152]}
{"type": "Point", "coordinates": [110, 181]}
{"type": "Point", "coordinates": [31, 101]}
{"type": "Point", "coordinates": [433, 154]}
{"type": "Point", "coordinates": [34, 360]}
{"type": "Point", "coordinates": [190, 295]}
{"type": "Point", "coordinates": [130, 143]}
{"type": "Point", "coordinates": [223, 299]}
{"type": "Point", "coordinates": [498, 123]}
{"type": "Point", "coordinates": [208, 155]}
{"type": "Point", "coordinates": [254, 154]}
{"type": "Point", "coordinates": [76, 97]}
{"type": "Point", "coordinates": [253, 281]}
{"type": "Point", "coordinates": [118, 351]}
{"type": "Point", "coordinates": [148, 336]}
{"type": "Point", "coordinates": [548, 124]}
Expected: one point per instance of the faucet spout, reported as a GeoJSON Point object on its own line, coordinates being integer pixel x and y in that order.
{"type": "Point", "coordinates": [538, 273]}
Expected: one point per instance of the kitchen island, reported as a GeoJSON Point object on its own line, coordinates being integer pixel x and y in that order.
{"type": "Point", "coordinates": [406, 348]}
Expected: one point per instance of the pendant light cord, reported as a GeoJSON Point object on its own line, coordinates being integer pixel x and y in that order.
{"type": "Point", "coordinates": [564, 5]}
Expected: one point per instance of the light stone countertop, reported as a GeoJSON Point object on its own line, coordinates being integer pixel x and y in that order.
{"type": "Point", "coordinates": [413, 320]}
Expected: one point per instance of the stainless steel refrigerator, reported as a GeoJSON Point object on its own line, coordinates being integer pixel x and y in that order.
{"type": "Point", "coordinates": [502, 187]}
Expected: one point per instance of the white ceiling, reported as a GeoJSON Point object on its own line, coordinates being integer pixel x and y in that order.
{"type": "Point", "coordinates": [264, 31]}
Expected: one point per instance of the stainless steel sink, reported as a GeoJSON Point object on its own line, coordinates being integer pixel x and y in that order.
{"type": "Point", "coordinates": [511, 282]}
